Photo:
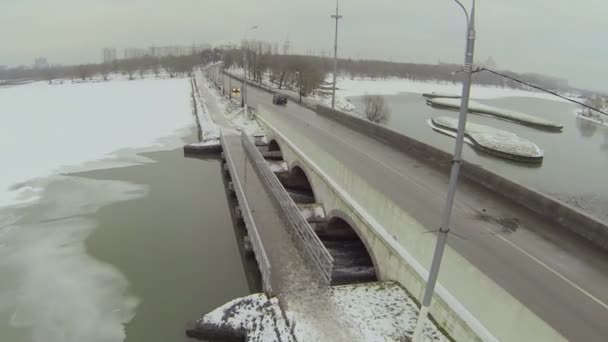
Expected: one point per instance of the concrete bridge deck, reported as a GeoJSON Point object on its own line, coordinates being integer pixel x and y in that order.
{"type": "Point", "coordinates": [556, 274]}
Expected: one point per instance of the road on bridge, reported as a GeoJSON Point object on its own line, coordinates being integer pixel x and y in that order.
{"type": "Point", "coordinates": [559, 276]}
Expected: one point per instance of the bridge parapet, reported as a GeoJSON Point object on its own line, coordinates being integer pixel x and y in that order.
{"type": "Point", "coordinates": [252, 230]}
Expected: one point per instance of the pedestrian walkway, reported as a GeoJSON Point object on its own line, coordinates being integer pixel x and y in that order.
{"type": "Point", "coordinates": [298, 287]}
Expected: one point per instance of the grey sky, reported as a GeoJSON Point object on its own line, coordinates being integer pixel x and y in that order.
{"type": "Point", "coordinates": [558, 37]}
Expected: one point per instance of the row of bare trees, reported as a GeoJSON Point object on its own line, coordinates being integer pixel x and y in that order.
{"type": "Point", "coordinates": [173, 66]}
{"type": "Point", "coordinates": [286, 71]}
{"type": "Point", "coordinates": [263, 61]}
{"type": "Point", "coordinates": [305, 74]}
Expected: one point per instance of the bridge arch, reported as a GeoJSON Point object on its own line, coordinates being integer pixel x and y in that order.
{"type": "Point", "coordinates": [299, 180]}
{"type": "Point", "coordinates": [273, 145]}
{"type": "Point", "coordinates": [354, 259]}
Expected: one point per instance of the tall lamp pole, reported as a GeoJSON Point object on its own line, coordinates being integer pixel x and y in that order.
{"type": "Point", "coordinates": [337, 17]}
{"type": "Point", "coordinates": [300, 83]}
{"type": "Point", "coordinates": [230, 83]}
{"type": "Point", "coordinates": [456, 163]}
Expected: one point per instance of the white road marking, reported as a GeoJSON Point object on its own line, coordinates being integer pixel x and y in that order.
{"type": "Point", "coordinates": [556, 273]}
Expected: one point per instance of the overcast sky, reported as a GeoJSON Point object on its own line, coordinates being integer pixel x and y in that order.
{"type": "Point", "coordinates": [563, 38]}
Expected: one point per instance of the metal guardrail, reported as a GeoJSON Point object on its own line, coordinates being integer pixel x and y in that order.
{"type": "Point", "coordinates": [295, 220]}
{"type": "Point", "coordinates": [258, 248]}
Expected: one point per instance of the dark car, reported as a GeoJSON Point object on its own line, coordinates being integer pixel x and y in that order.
{"type": "Point", "coordinates": [279, 99]}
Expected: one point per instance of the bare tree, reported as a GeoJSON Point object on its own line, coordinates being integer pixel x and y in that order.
{"type": "Point", "coordinates": [104, 70]}
{"type": "Point", "coordinates": [115, 66]}
{"type": "Point", "coordinates": [83, 71]}
{"type": "Point", "coordinates": [50, 74]}
{"type": "Point", "coordinates": [156, 68]}
{"type": "Point", "coordinates": [129, 66]}
{"type": "Point", "coordinates": [142, 70]}
{"type": "Point", "coordinates": [595, 101]}
{"type": "Point", "coordinates": [229, 59]}
{"type": "Point", "coordinates": [278, 70]}
{"type": "Point", "coordinates": [376, 109]}
{"type": "Point", "coordinates": [307, 73]}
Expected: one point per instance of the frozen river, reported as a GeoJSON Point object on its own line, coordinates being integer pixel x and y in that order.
{"type": "Point", "coordinates": [107, 233]}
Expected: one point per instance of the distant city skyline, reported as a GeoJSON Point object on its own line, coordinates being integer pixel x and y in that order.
{"type": "Point", "coordinates": [543, 36]}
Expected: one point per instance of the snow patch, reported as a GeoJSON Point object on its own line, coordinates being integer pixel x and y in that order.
{"type": "Point", "coordinates": [382, 312]}
{"type": "Point", "coordinates": [240, 118]}
{"type": "Point", "coordinates": [256, 317]}
{"type": "Point", "coordinates": [277, 166]}
{"type": "Point", "coordinates": [493, 138]}
{"type": "Point", "coordinates": [243, 121]}
{"type": "Point", "coordinates": [444, 95]}
{"type": "Point", "coordinates": [312, 212]}
{"type": "Point", "coordinates": [50, 284]}
{"type": "Point", "coordinates": [592, 116]}
{"type": "Point", "coordinates": [342, 103]}
{"type": "Point", "coordinates": [378, 312]}
{"type": "Point", "coordinates": [50, 128]}
{"type": "Point", "coordinates": [238, 313]}
{"type": "Point", "coordinates": [476, 107]}
{"type": "Point", "coordinates": [210, 131]}
{"type": "Point", "coordinates": [207, 143]}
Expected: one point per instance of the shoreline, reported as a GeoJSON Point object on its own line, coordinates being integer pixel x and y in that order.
{"type": "Point", "coordinates": [174, 204]}
{"type": "Point", "coordinates": [146, 229]}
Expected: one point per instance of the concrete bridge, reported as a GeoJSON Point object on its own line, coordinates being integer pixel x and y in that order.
{"type": "Point", "coordinates": [510, 273]}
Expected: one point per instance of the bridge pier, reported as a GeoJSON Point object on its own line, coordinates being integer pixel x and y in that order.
{"type": "Point", "coordinates": [352, 262]}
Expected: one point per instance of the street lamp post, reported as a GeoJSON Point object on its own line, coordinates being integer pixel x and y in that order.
{"type": "Point", "coordinates": [337, 17]}
{"type": "Point", "coordinates": [456, 163]}
{"type": "Point", "coordinates": [300, 83]}
{"type": "Point", "coordinates": [221, 77]}
{"type": "Point", "coordinates": [230, 84]}
{"type": "Point", "coordinates": [244, 76]}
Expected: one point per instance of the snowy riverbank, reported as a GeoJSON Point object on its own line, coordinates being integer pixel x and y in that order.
{"type": "Point", "coordinates": [377, 311]}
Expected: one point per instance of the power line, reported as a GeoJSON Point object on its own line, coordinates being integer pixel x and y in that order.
{"type": "Point", "coordinates": [541, 89]}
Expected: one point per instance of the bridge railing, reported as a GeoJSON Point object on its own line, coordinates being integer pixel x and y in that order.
{"type": "Point", "coordinates": [252, 230]}
{"type": "Point", "coordinates": [313, 245]}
